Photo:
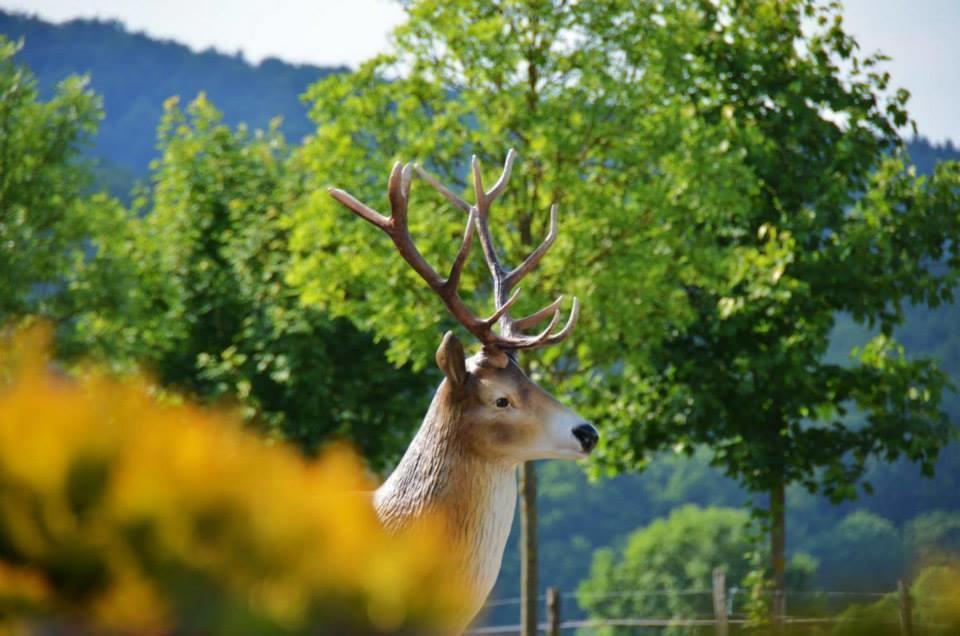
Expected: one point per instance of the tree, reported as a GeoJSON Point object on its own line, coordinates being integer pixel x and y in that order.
{"type": "Point", "coordinates": [665, 570]}
{"type": "Point", "coordinates": [655, 572]}
{"type": "Point", "coordinates": [836, 225]}
{"type": "Point", "coordinates": [624, 165]}
{"type": "Point", "coordinates": [191, 285]}
{"type": "Point", "coordinates": [43, 205]}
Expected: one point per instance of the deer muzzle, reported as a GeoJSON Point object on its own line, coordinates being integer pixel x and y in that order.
{"type": "Point", "coordinates": [587, 435]}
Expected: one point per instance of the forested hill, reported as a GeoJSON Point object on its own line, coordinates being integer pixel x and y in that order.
{"type": "Point", "coordinates": [135, 73]}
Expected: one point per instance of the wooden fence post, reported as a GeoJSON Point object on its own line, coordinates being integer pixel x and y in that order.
{"type": "Point", "coordinates": [906, 609]}
{"type": "Point", "coordinates": [720, 601]}
{"type": "Point", "coordinates": [553, 612]}
{"type": "Point", "coordinates": [529, 586]}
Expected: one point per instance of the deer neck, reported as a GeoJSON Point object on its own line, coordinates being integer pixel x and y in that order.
{"type": "Point", "coordinates": [475, 496]}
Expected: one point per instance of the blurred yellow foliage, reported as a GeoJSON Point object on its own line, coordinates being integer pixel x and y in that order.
{"type": "Point", "coordinates": [935, 596]}
{"type": "Point", "coordinates": [122, 513]}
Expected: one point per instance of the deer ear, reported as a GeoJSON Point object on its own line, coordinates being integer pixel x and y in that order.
{"type": "Point", "coordinates": [451, 360]}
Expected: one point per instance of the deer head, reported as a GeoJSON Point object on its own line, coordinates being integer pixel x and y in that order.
{"type": "Point", "coordinates": [502, 414]}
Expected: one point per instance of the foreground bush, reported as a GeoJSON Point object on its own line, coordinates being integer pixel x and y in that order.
{"type": "Point", "coordinates": [123, 513]}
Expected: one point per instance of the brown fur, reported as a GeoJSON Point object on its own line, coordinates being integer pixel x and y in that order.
{"type": "Point", "coordinates": [461, 463]}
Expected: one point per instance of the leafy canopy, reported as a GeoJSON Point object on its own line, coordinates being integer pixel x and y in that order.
{"type": "Point", "coordinates": [666, 569]}
{"type": "Point", "coordinates": [42, 184]}
{"type": "Point", "coordinates": [835, 223]}
{"type": "Point", "coordinates": [730, 178]}
{"type": "Point", "coordinates": [190, 283]}
{"type": "Point", "coordinates": [634, 172]}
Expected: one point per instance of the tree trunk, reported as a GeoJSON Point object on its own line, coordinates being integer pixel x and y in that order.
{"type": "Point", "coordinates": [778, 549]}
{"type": "Point", "coordinates": [528, 549]}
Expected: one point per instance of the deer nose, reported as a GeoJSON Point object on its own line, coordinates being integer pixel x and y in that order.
{"type": "Point", "coordinates": [587, 436]}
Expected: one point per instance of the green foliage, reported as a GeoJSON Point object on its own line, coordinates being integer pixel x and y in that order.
{"type": "Point", "coordinates": [748, 186]}
{"type": "Point", "coordinates": [625, 167]}
{"type": "Point", "coordinates": [654, 574]}
{"type": "Point", "coordinates": [190, 284]}
{"type": "Point", "coordinates": [42, 182]}
{"type": "Point", "coordinates": [665, 570]}
{"type": "Point", "coordinates": [837, 225]}
{"type": "Point", "coordinates": [624, 232]}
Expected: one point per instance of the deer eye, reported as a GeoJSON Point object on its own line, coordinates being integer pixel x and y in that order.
{"type": "Point", "coordinates": [502, 403]}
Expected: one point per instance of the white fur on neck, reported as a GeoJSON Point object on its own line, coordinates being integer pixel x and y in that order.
{"type": "Point", "coordinates": [477, 497]}
{"type": "Point", "coordinates": [480, 513]}
{"type": "Point", "coordinates": [494, 520]}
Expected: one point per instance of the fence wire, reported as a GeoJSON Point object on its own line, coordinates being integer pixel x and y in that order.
{"type": "Point", "coordinates": [832, 602]}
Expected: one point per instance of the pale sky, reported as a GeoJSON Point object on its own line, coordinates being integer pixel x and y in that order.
{"type": "Point", "coordinates": [922, 36]}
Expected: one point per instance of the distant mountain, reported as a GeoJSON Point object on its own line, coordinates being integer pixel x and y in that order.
{"type": "Point", "coordinates": [926, 155]}
{"type": "Point", "coordinates": [135, 73]}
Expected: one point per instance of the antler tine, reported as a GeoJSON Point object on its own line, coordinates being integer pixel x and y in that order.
{"type": "Point", "coordinates": [442, 189]}
{"type": "Point", "coordinates": [502, 309]}
{"type": "Point", "coordinates": [501, 183]}
{"type": "Point", "coordinates": [513, 342]}
{"type": "Point", "coordinates": [531, 261]}
{"type": "Point", "coordinates": [543, 335]}
{"type": "Point", "coordinates": [482, 202]}
{"type": "Point", "coordinates": [564, 333]}
{"type": "Point", "coordinates": [539, 316]}
{"type": "Point", "coordinates": [365, 212]}
{"type": "Point", "coordinates": [486, 240]}
{"type": "Point", "coordinates": [399, 192]}
{"type": "Point", "coordinates": [453, 280]}
{"type": "Point", "coordinates": [395, 226]}
{"type": "Point", "coordinates": [545, 338]}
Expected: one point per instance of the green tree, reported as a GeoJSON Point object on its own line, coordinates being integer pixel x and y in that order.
{"type": "Point", "coordinates": [625, 161]}
{"type": "Point", "coordinates": [43, 205]}
{"type": "Point", "coordinates": [665, 570]}
{"type": "Point", "coordinates": [836, 225]}
{"type": "Point", "coordinates": [191, 285]}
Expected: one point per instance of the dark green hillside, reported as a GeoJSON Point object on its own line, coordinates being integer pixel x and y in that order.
{"type": "Point", "coordinates": [135, 74]}
{"type": "Point", "coordinates": [926, 155]}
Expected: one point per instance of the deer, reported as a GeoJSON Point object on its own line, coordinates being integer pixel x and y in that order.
{"type": "Point", "coordinates": [487, 416]}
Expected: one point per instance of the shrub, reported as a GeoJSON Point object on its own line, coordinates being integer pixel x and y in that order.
{"type": "Point", "coordinates": [124, 512]}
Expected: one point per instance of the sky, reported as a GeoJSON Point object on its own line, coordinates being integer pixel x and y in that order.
{"type": "Point", "coordinates": [922, 36]}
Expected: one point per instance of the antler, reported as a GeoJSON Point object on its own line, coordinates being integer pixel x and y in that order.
{"type": "Point", "coordinates": [395, 226]}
